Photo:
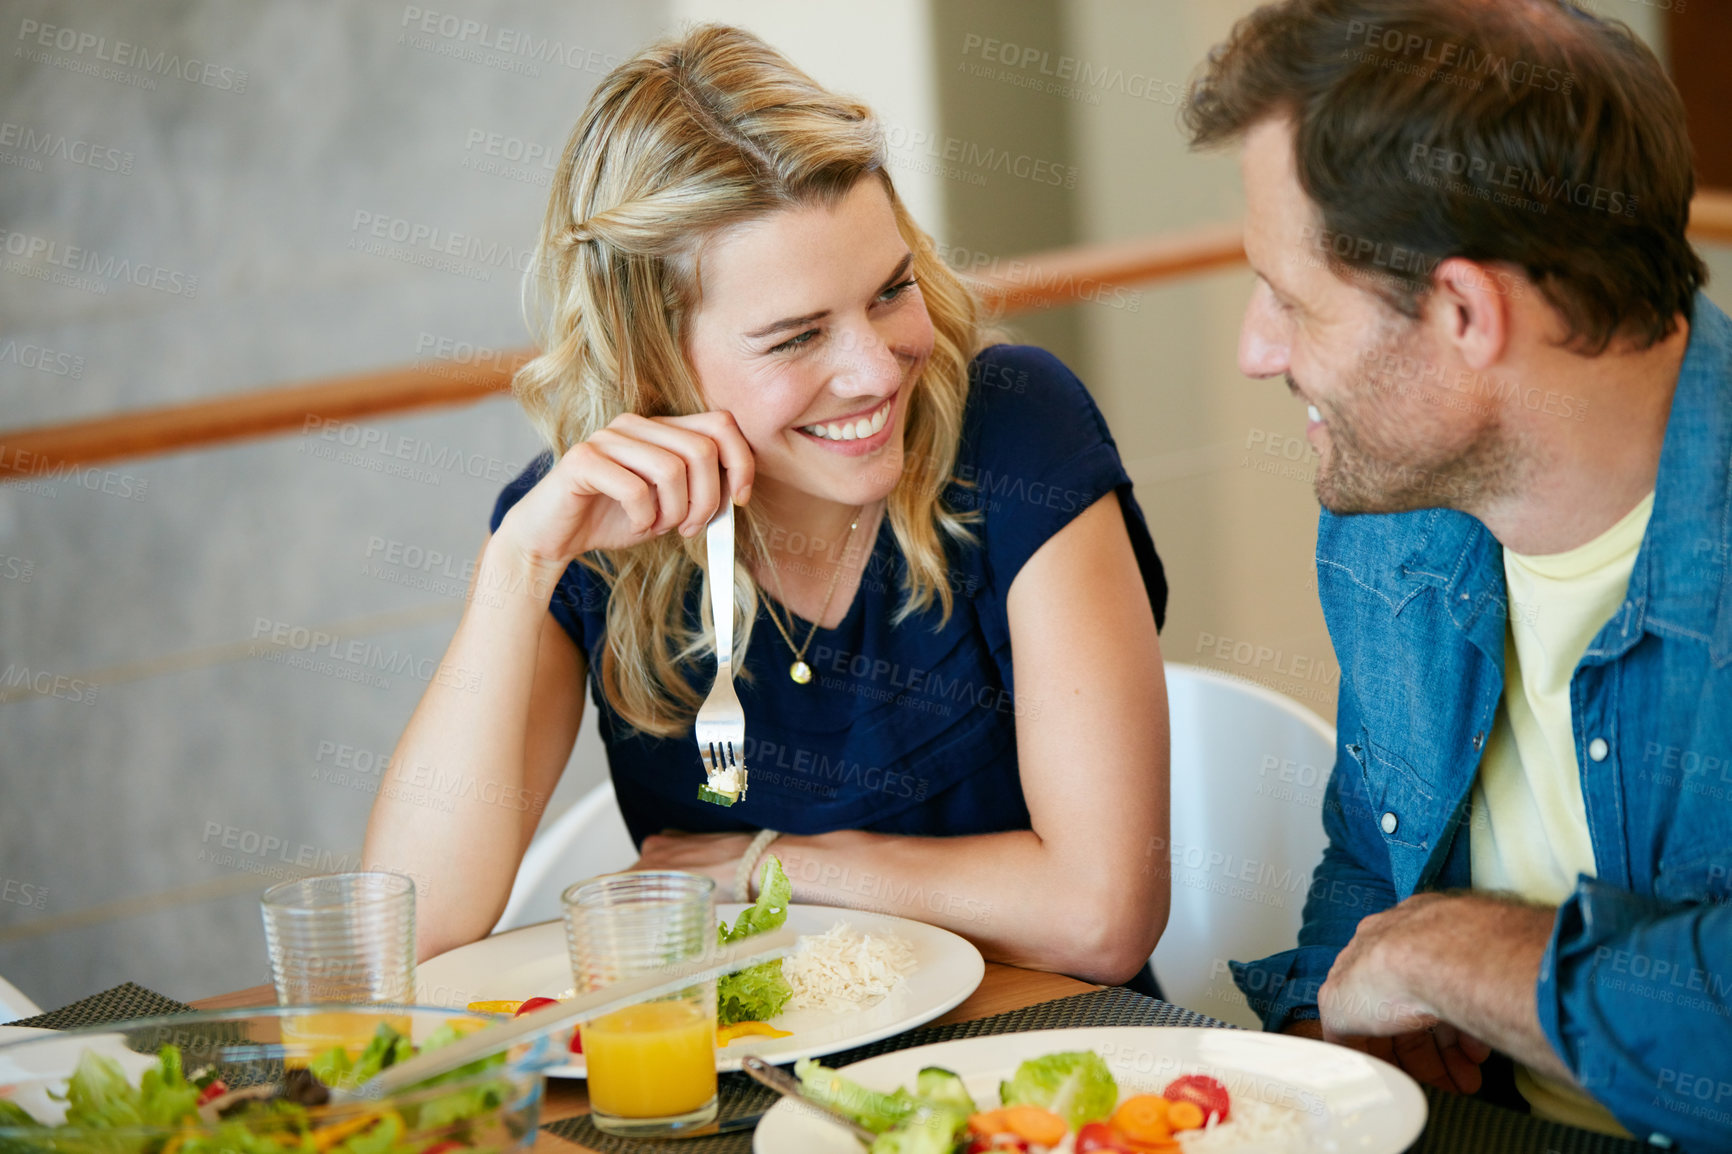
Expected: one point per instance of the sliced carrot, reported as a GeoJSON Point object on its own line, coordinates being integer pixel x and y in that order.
{"type": "Point", "coordinates": [1185, 1116]}
{"type": "Point", "coordinates": [1036, 1124]}
{"type": "Point", "coordinates": [1143, 1118]}
{"type": "Point", "coordinates": [988, 1122]}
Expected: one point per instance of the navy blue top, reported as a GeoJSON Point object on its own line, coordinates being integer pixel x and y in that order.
{"type": "Point", "coordinates": [904, 729]}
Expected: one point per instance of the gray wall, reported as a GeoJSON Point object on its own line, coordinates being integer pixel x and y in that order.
{"type": "Point", "coordinates": [1013, 185]}
{"type": "Point", "coordinates": [154, 789]}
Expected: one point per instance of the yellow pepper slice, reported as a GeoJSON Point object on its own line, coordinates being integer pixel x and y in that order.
{"type": "Point", "coordinates": [327, 1136]}
{"type": "Point", "coordinates": [494, 1007]}
{"type": "Point", "coordinates": [726, 1034]}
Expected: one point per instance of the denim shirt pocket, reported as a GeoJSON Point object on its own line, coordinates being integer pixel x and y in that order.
{"type": "Point", "coordinates": [1403, 810]}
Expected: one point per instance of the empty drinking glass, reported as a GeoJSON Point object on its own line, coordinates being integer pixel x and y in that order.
{"type": "Point", "coordinates": [344, 939]}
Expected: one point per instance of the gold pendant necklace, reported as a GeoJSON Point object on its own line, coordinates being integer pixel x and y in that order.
{"type": "Point", "coordinates": [799, 671]}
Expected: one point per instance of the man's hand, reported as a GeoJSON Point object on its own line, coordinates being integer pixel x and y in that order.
{"type": "Point", "coordinates": [716, 855]}
{"type": "Point", "coordinates": [1367, 993]}
{"type": "Point", "coordinates": [1422, 983]}
{"type": "Point", "coordinates": [1441, 1056]}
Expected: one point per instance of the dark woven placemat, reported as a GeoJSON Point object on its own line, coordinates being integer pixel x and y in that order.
{"type": "Point", "coordinates": [123, 1003]}
{"type": "Point", "coordinates": [1461, 1125]}
{"type": "Point", "coordinates": [1456, 1125]}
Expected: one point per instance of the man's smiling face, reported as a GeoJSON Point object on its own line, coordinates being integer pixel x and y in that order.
{"type": "Point", "coordinates": [1384, 443]}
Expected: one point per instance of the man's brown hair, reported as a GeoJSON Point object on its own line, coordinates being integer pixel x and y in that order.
{"type": "Point", "coordinates": [1519, 131]}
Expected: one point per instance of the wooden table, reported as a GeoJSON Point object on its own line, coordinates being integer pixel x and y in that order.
{"type": "Point", "coordinates": [1004, 988]}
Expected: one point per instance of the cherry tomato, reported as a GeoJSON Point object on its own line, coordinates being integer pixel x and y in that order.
{"type": "Point", "coordinates": [537, 1003]}
{"type": "Point", "coordinates": [534, 1004]}
{"type": "Point", "coordinates": [216, 1089]}
{"type": "Point", "coordinates": [1201, 1091]}
{"type": "Point", "coordinates": [1097, 1136]}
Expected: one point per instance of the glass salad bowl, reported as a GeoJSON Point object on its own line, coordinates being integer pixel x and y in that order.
{"type": "Point", "coordinates": [138, 1087]}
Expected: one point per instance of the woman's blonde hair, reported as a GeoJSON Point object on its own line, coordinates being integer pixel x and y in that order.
{"type": "Point", "coordinates": [690, 136]}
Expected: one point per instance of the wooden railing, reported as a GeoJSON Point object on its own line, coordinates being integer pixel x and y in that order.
{"type": "Point", "coordinates": [1062, 276]}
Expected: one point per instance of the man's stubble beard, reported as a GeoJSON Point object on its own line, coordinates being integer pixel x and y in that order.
{"type": "Point", "coordinates": [1373, 467]}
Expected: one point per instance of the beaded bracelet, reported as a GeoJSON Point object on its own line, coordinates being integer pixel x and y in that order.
{"type": "Point", "coordinates": [748, 864]}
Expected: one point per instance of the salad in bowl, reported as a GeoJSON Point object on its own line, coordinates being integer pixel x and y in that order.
{"type": "Point", "coordinates": [258, 1081]}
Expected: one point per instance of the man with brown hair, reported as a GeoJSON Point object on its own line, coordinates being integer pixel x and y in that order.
{"type": "Point", "coordinates": [1467, 220]}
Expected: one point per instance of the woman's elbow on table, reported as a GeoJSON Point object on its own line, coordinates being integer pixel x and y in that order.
{"type": "Point", "coordinates": [1108, 939]}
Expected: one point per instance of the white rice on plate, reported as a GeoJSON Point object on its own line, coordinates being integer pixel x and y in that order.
{"type": "Point", "coordinates": [843, 968]}
{"type": "Point", "coordinates": [1251, 1125]}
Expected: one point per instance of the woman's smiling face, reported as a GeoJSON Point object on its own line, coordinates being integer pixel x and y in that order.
{"type": "Point", "coordinates": [811, 332]}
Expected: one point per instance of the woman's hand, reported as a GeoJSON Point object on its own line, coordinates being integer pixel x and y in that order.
{"type": "Point", "coordinates": [715, 855]}
{"type": "Point", "coordinates": [629, 483]}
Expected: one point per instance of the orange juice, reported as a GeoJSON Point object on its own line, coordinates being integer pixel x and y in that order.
{"type": "Point", "coordinates": [312, 1034]}
{"type": "Point", "coordinates": [655, 1060]}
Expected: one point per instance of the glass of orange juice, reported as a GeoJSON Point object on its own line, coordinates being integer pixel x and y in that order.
{"type": "Point", "coordinates": [341, 939]}
{"type": "Point", "coordinates": [652, 1066]}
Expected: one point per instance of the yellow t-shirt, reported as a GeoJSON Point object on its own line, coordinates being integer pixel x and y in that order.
{"type": "Point", "coordinates": [1530, 825]}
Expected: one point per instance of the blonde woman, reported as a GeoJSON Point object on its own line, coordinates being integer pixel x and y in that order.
{"type": "Point", "coordinates": [733, 305]}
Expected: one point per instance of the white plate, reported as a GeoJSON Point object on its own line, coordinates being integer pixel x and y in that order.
{"type": "Point", "coordinates": [38, 1069]}
{"type": "Point", "coordinates": [532, 962]}
{"type": "Point", "coordinates": [1347, 1101]}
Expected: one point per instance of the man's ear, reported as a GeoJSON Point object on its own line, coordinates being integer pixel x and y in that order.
{"type": "Point", "coordinates": [1470, 308]}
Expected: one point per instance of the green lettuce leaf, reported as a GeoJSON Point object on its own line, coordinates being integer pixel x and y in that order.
{"type": "Point", "coordinates": [757, 993]}
{"type": "Point", "coordinates": [873, 1109]}
{"type": "Point", "coordinates": [100, 1096]}
{"type": "Point", "coordinates": [459, 1105]}
{"type": "Point", "coordinates": [1075, 1085]}
{"type": "Point", "coordinates": [933, 1128]}
{"type": "Point", "coordinates": [164, 1094]}
{"type": "Point", "coordinates": [385, 1048]}
{"type": "Point", "coordinates": [775, 891]}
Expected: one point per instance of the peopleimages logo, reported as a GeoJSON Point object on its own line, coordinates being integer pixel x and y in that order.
{"type": "Point", "coordinates": [18, 681]}
{"type": "Point", "coordinates": [57, 146]}
{"type": "Point", "coordinates": [1071, 76]}
{"type": "Point", "coordinates": [482, 43]}
{"type": "Point", "coordinates": [77, 259]}
{"type": "Point", "coordinates": [901, 140]}
{"type": "Point", "coordinates": [44, 360]}
{"type": "Point", "coordinates": [124, 54]}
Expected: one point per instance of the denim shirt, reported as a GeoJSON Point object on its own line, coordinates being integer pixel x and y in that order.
{"type": "Point", "coordinates": [1635, 990]}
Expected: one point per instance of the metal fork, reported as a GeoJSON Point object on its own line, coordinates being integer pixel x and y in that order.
{"type": "Point", "coordinates": [721, 725]}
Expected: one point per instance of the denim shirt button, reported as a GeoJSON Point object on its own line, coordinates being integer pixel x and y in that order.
{"type": "Point", "coordinates": [1597, 749]}
{"type": "Point", "coordinates": [1478, 740]}
{"type": "Point", "coordinates": [1389, 823]}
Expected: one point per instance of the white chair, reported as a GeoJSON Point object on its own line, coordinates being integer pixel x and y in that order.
{"type": "Point", "coordinates": [1249, 767]}
{"type": "Point", "coordinates": [14, 1004]}
{"type": "Point", "coordinates": [589, 838]}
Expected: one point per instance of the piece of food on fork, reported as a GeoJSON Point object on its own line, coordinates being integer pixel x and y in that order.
{"type": "Point", "coordinates": [726, 785]}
